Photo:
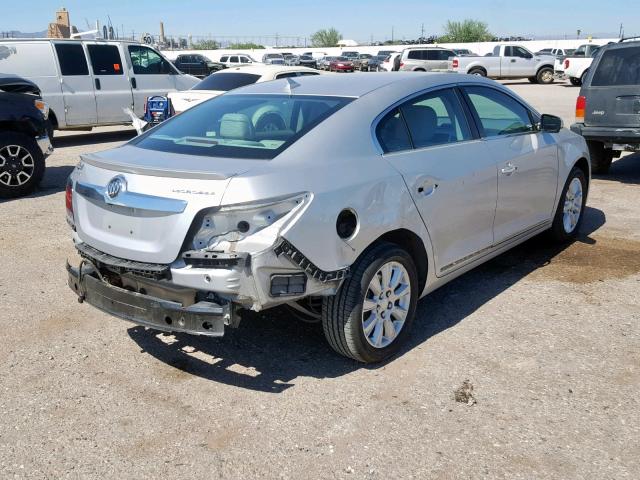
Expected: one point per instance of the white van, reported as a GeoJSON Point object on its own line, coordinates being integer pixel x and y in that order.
{"type": "Point", "coordinates": [89, 83]}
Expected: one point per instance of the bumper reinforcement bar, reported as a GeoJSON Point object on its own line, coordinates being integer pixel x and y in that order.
{"type": "Point", "coordinates": [202, 318]}
{"type": "Point", "coordinates": [292, 253]}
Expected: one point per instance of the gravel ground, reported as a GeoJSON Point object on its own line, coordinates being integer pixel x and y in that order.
{"type": "Point", "coordinates": [548, 338]}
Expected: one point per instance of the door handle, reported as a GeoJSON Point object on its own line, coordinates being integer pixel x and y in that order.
{"type": "Point", "coordinates": [509, 169]}
{"type": "Point", "coordinates": [97, 84]}
{"type": "Point", "coordinates": [427, 189]}
{"type": "Point", "coordinates": [134, 84]}
{"type": "Point", "coordinates": [513, 60]}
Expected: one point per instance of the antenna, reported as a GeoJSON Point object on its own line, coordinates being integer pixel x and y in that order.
{"type": "Point", "coordinates": [291, 84]}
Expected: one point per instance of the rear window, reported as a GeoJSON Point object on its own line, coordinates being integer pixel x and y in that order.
{"type": "Point", "coordinates": [617, 67]}
{"type": "Point", "coordinates": [241, 126]}
{"type": "Point", "coordinates": [226, 81]}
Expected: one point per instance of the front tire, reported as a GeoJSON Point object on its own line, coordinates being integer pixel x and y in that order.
{"type": "Point", "coordinates": [570, 211]}
{"type": "Point", "coordinates": [576, 82]}
{"type": "Point", "coordinates": [371, 314]}
{"type": "Point", "coordinates": [21, 164]}
{"type": "Point", "coordinates": [478, 72]}
{"type": "Point", "coordinates": [532, 80]}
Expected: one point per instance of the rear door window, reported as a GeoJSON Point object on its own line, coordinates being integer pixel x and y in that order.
{"type": "Point", "coordinates": [71, 59]}
{"type": "Point", "coordinates": [618, 67]}
{"type": "Point", "coordinates": [432, 55]}
{"type": "Point", "coordinates": [105, 59]}
{"type": "Point", "coordinates": [233, 59]}
{"type": "Point", "coordinates": [436, 118]}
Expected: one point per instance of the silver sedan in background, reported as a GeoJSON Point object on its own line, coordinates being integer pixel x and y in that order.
{"type": "Point", "coordinates": [374, 191]}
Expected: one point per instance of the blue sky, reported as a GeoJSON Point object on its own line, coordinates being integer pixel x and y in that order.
{"type": "Point", "coordinates": [354, 19]}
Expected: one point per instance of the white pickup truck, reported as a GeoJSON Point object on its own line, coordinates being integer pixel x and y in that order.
{"type": "Point", "coordinates": [574, 67]}
{"type": "Point", "coordinates": [507, 61]}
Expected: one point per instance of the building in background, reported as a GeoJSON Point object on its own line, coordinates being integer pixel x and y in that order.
{"type": "Point", "coordinates": [62, 27]}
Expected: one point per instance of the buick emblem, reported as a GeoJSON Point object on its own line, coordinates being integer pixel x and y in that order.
{"type": "Point", "coordinates": [115, 186]}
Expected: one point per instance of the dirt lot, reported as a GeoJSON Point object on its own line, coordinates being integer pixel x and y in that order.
{"type": "Point", "coordinates": [549, 339]}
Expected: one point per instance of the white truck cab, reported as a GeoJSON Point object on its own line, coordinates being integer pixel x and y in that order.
{"type": "Point", "coordinates": [90, 83]}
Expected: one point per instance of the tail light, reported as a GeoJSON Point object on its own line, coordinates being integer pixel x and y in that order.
{"type": "Point", "coordinates": [68, 201]}
{"type": "Point", "coordinates": [566, 63]}
{"type": "Point", "coordinates": [581, 106]}
{"type": "Point", "coordinates": [401, 64]}
{"type": "Point", "coordinates": [455, 63]}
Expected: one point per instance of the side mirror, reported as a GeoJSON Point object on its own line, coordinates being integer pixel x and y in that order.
{"type": "Point", "coordinates": [550, 123]}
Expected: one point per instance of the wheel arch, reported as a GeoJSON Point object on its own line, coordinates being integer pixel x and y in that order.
{"type": "Point", "coordinates": [477, 67]}
{"type": "Point", "coordinates": [19, 126]}
{"type": "Point", "coordinates": [413, 245]}
{"type": "Point", "coordinates": [546, 65]}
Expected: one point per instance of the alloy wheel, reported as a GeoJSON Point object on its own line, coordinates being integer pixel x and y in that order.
{"type": "Point", "coordinates": [572, 205]}
{"type": "Point", "coordinates": [386, 304]}
{"type": "Point", "coordinates": [16, 165]}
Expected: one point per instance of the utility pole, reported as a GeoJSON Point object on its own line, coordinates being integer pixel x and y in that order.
{"type": "Point", "coordinates": [392, 33]}
{"type": "Point", "coordinates": [621, 34]}
{"type": "Point", "coordinates": [422, 31]}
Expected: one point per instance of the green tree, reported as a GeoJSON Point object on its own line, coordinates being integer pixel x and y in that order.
{"type": "Point", "coordinates": [326, 38]}
{"type": "Point", "coordinates": [206, 45]}
{"type": "Point", "coordinates": [245, 46]}
{"type": "Point", "coordinates": [466, 31]}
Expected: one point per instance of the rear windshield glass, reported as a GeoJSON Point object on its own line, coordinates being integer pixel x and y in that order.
{"type": "Point", "coordinates": [226, 81]}
{"type": "Point", "coordinates": [619, 66]}
{"type": "Point", "coordinates": [241, 126]}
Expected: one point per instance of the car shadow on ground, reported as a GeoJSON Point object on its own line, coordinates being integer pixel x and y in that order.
{"type": "Point", "coordinates": [271, 349]}
{"type": "Point", "coordinates": [624, 170]}
{"type": "Point", "coordinates": [54, 181]}
{"type": "Point", "coordinates": [90, 138]}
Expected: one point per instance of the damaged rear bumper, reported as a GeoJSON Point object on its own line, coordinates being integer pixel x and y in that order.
{"type": "Point", "coordinates": [202, 318]}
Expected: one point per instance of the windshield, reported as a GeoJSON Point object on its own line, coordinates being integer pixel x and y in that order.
{"type": "Point", "coordinates": [241, 126]}
{"type": "Point", "coordinates": [224, 82]}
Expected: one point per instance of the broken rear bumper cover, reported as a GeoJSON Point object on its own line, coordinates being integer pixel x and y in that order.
{"type": "Point", "coordinates": [202, 318]}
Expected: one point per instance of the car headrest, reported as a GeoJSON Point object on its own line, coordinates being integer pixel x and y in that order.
{"type": "Point", "coordinates": [236, 126]}
{"type": "Point", "coordinates": [421, 118]}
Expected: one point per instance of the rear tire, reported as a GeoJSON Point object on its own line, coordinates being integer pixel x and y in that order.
{"type": "Point", "coordinates": [570, 211]}
{"type": "Point", "coordinates": [576, 82]}
{"type": "Point", "coordinates": [360, 323]}
{"type": "Point", "coordinates": [545, 76]}
{"type": "Point", "coordinates": [21, 164]}
{"type": "Point", "coordinates": [601, 157]}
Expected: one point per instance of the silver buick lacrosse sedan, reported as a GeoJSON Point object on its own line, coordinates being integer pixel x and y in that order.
{"type": "Point", "coordinates": [345, 198]}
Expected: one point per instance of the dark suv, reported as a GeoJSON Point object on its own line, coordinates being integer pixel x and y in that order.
{"type": "Point", "coordinates": [196, 65]}
{"type": "Point", "coordinates": [608, 108]}
{"type": "Point", "coordinates": [24, 139]}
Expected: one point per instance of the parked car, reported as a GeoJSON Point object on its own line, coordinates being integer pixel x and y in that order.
{"type": "Point", "coordinates": [464, 52]}
{"type": "Point", "coordinates": [24, 140]}
{"type": "Point", "coordinates": [507, 61]}
{"type": "Point", "coordinates": [341, 64]}
{"type": "Point", "coordinates": [425, 59]}
{"type": "Point", "coordinates": [89, 83]}
{"type": "Point", "coordinates": [205, 215]}
{"type": "Point", "coordinates": [350, 55]}
{"type": "Point", "coordinates": [556, 52]}
{"type": "Point", "coordinates": [576, 68]}
{"type": "Point", "coordinates": [196, 65]}
{"type": "Point", "coordinates": [231, 78]}
{"type": "Point", "coordinates": [237, 60]}
{"type": "Point", "coordinates": [608, 107]}
{"type": "Point", "coordinates": [375, 63]}
{"type": "Point", "coordinates": [273, 59]}
{"type": "Point", "coordinates": [386, 52]}
{"type": "Point", "coordinates": [583, 51]}
{"type": "Point", "coordinates": [362, 63]}
{"type": "Point", "coordinates": [324, 62]}
{"type": "Point", "coordinates": [391, 63]}
{"type": "Point", "coordinates": [308, 61]}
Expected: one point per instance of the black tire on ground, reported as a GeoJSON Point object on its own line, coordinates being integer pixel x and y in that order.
{"type": "Point", "coordinates": [342, 313]}
{"type": "Point", "coordinates": [557, 231]}
{"type": "Point", "coordinates": [532, 80]}
{"type": "Point", "coordinates": [601, 157]}
{"type": "Point", "coordinates": [478, 71]}
{"type": "Point", "coordinates": [576, 82]}
{"type": "Point", "coordinates": [36, 171]}
{"type": "Point", "coordinates": [545, 75]}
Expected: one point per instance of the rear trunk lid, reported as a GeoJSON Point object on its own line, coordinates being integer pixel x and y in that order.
{"type": "Point", "coordinates": [181, 101]}
{"type": "Point", "coordinates": [613, 92]}
{"type": "Point", "coordinates": [139, 204]}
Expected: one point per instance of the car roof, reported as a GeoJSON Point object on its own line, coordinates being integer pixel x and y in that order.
{"type": "Point", "coordinates": [358, 85]}
{"type": "Point", "coordinates": [263, 69]}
